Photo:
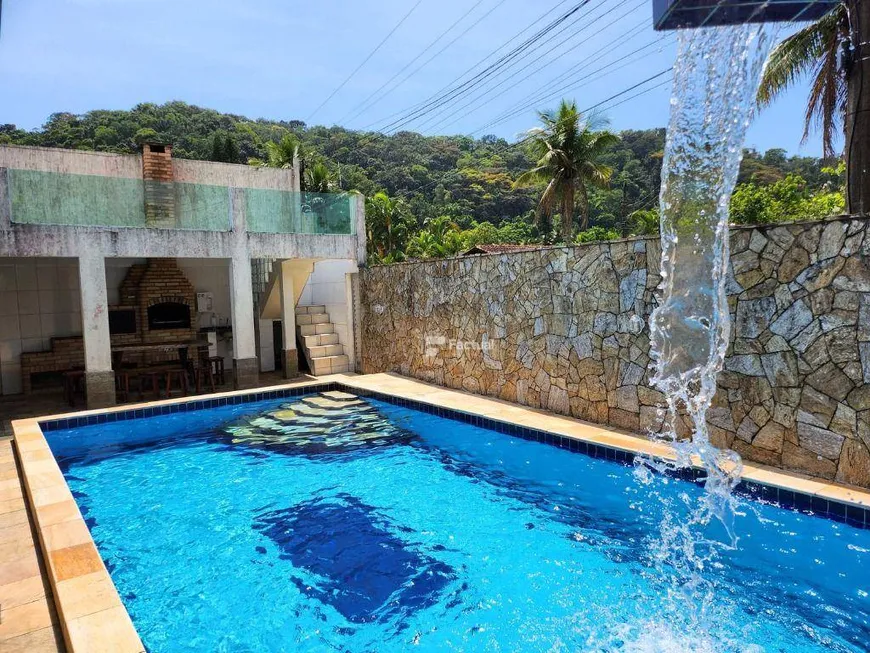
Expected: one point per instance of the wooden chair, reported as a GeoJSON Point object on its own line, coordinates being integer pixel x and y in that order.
{"type": "Point", "coordinates": [73, 385]}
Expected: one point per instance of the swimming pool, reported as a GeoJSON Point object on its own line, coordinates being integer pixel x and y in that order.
{"type": "Point", "coordinates": [336, 523]}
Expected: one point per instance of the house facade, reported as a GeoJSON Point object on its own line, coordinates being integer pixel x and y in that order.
{"type": "Point", "coordinates": [105, 253]}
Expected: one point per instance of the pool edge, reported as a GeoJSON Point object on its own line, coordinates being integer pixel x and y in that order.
{"type": "Point", "coordinates": [90, 610]}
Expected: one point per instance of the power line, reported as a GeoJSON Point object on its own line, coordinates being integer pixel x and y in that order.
{"type": "Point", "coordinates": [465, 87]}
{"type": "Point", "coordinates": [357, 110]}
{"type": "Point", "coordinates": [571, 86]}
{"type": "Point", "coordinates": [455, 86]}
{"type": "Point", "coordinates": [544, 90]}
{"type": "Point", "coordinates": [473, 67]}
{"type": "Point", "coordinates": [366, 60]}
{"type": "Point", "coordinates": [487, 93]}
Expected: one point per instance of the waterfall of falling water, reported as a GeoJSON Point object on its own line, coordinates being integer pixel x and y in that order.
{"type": "Point", "coordinates": [715, 80]}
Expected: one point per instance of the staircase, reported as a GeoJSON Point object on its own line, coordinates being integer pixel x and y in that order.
{"type": "Point", "coordinates": [320, 341]}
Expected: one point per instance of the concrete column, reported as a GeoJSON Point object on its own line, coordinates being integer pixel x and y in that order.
{"type": "Point", "coordinates": [288, 319]}
{"type": "Point", "coordinates": [360, 227]}
{"type": "Point", "coordinates": [246, 367]}
{"type": "Point", "coordinates": [354, 326]}
{"type": "Point", "coordinates": [246, 370]}
{"type": "Point", "coordinates": [99, 377]}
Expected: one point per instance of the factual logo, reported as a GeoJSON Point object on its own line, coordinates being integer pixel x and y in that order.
{"type": "Point", "coordinates": [435, 345]}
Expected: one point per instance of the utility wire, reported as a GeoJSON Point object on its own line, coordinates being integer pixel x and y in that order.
{"type": "Point", "coordinates": [366, 60]}
{"type": "Point", "coordinates": [472, 68]}
{"type": "Point", "coordinates": [365, 105]}
{"type": "Point", "coordinates": [444, 121]}
{"type": "Point", "coordinates": [572, 86]}
{"type": "Point", "coordinates": [506, 60]}
{"type": "Point", "coordinates": [455, 89]}
{"type": "Point", "coordinates": [545, 90]}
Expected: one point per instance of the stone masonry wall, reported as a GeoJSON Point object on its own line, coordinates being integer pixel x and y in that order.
{"type": "Point", "coordinates": [566, 329]}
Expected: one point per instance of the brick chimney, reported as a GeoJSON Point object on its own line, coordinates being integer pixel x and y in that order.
{"type": "Point", "coordinates": [159, 184]}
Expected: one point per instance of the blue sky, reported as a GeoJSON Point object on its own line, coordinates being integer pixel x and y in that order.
{"type": "Point", "coordinates": [279, 59]}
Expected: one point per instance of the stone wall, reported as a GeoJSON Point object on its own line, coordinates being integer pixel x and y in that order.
{"type": "Point", "coordinates": [566, 329]}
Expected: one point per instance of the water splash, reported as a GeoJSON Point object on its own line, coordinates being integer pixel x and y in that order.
{"type": "Point", "coordinates": [715, 80]}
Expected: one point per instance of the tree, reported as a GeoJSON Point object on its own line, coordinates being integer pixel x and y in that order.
{"type": "Point", "coordinates": [224, 148]}
{"type": "Point", "coordinates": [281, 154]}
{"type": "Point", "coordinates": [388, 224]}
{"type": "Point", "coordinates": [835, 52]}
{"type": "Point", "coordinates": [567, 149]}
{"type": "Point", "coordinates": [317, 179]}
{"type": "Point", "coordinates": [787, 199]}
{"type": "Point", "coordinates": [441, 237]}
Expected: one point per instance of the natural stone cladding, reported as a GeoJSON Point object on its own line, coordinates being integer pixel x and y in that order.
{"type": "Point", "coordinates": [566, 329]}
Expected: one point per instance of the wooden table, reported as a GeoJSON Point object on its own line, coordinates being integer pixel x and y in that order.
{"type": "Point", "coordinates": [181, 347]}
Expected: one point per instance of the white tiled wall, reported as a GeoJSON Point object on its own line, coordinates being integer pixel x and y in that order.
{"type": "Point", "coordinates": [326, 286]}
{"type": "Point", "coordinates": [39, 300]}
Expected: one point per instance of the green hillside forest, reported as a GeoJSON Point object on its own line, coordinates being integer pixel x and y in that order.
{"type": "Point", "coordinates": [437, 196]}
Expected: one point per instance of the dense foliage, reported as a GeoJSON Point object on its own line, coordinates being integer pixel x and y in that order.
{"type": "Point", "coordinates": [445, 193]}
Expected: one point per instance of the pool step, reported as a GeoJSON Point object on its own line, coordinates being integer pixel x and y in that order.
{"type": "Point", "coordinates": [322, 349]}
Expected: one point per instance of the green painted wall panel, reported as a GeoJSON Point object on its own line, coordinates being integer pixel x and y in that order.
{"type": "Point", "coordinates": [51, 198]}
{"type": "Point", "coordinates": [202, 207]}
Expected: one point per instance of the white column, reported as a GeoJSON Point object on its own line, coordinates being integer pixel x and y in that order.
{"type": "Point", "coordinates": [99, 378]}
{"type": "Point", "coordinates": [351, 282]}
{"type": "Point", "coordinates": [287, 293]}
{"type": "Point", "coordinates": [242, 306]}
{"type": "Point", "coordinates": [245, 365]}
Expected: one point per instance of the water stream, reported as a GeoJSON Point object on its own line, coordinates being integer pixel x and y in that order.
{"type": "Point", "coordinates": [715, 79]}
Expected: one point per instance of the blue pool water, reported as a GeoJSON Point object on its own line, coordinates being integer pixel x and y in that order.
{"type": "Point", "coordinates": [313, 524]}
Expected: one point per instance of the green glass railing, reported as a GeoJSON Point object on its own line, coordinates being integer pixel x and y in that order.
{"type": "Point", "coordinates": [53, 198]}
{"type": "Point", "coordinates": [276, 211]}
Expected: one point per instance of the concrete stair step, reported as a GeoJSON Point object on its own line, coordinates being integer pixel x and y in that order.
{"type": "Point", "coordinates": [316, 329]}
{"type": "Point", "coordinates": [312, 318]}
{"type": "Point", "coordinates": [320, 340]}
{"type": "Point", "coordinates": [329, 365]}
{"type": "Point", "coordinates": [325, 350]}
{"type": "Point", "coordinates": [306, 310]}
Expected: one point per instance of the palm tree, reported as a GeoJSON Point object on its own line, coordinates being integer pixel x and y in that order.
{"type": "Point", "coordinates": [387, 226]}
{"type": "Point", "coordinates": [567, 150]}
{"type": "Point", "coordinates": [281, 154]}
{"type": "Point", "coordinates": [834, 52]}
{"type": "Point", "coordinates": [318, 179]}
{"type": "Point", "coordinates": [816, 49]}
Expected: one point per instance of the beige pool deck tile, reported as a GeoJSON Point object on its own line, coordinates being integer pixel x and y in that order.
{"type": "Point", "coordinates": [65, 534]}
{"type": "Point", "coordinates": [14, 517]}
{"type": "Point", "coordinates": [24, 591]}
{"type": "Point", "coordinates": [56, 513]}
{"type": "Point", "coordinates": [11, 505]}
{"type": "Point", "coordinates": [84, 595]}
{"type": "Point", "coordinates": [26, 618]}
{"type": "Point", "coordinates": [106, 631]}
{"type": "Point", "coordinates": [45, 640]}
{"type": "Point", "coordinates": [22, 566]}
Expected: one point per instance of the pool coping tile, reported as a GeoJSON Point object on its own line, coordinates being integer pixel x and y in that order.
{"type": "Point", "coordinates": [91, 613]}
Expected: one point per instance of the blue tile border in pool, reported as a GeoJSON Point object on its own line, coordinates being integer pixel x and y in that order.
{"type": "Point", "coordinates": [784, 498]}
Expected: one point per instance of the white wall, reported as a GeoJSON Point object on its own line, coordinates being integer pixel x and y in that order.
{"type": "Point", "coordinates": [39, 300]}
{"type": "Point", "coordinates": [326, 286]}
